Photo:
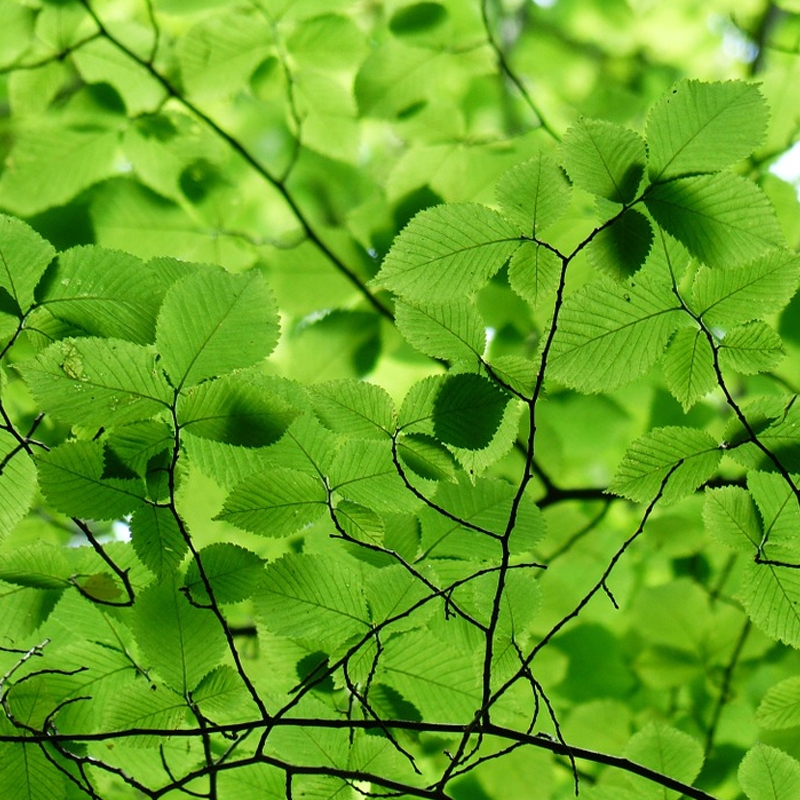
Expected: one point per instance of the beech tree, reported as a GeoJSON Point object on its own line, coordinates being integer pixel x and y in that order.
{"type": "Point", "coordinates": [399, 400]}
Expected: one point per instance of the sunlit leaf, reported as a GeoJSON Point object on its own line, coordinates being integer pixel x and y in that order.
{"type": "Point", "coordinates": [767, 773]}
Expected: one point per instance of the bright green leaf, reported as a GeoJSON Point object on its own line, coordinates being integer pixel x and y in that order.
{"type": "Point", "coordinates": [24, 256]}
{"type": "Point", "coordinates": [689, 367]}
{"type": "Point", "coordinates": [232, 571]}
{"type": "Point", "coordinates": [751, 348]}
{"type": "Point", "coordinates": [767, 773]}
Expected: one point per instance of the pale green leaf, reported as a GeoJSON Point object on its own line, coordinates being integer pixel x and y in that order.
{"type": "Point", "coordinates": [157, 539]}
{"type": "Point", "coordinates": [731, 296]}
{"type": "Point", "coordinates": [604, 158]}
{"type": "Point", "coordinates": [730, 515]}
{"type": "Point", "coordinates": [275, 502]}
{"type": "Point", "coordinates": [147, 706]}
{"type": "Point", "coordinates": [689, 367]}
{"type": "Point", "coordinates": [24, 256]}
{"type": "Point", "coordinates": [72, 478]}
{"type": "Point", "coordinates": [40, 565]}
{"type": "Point", "coordinates": [50, 164]}
{"type": "Point", "coordinates": [27, 774]}
{"type": "Point", "coordinates": [213, 322]}
{"type": "Point", "coordinates": [181, 642]}
{"type": "Point", "coordinates": [447, 251]}
{"type": "Point", "coordinates": [232, 571]}
{"type": "Point", "coordinates": [313, 600]}
{"type": "Point", "coordinates": [18, 482]}
{"type": "Point", "coordinates": [533, 194]}
{"type": "Point", "coordinates": [364, 472]}
{"type": "Point", "coordinates": [620, 249]}
{"type": "Point", "coordinates": [438, 676]}
{"type": "Point", "coordinates": [771, 597]}
{"type": "Point", "coordinates": [222, 696]}
{"type": "Point", "coordinates": [451, 330]}
{"type": "Point", "coordinates": [533, 272]}
{"type": "Point", "coordinates": [751, 348]}
{"type": "Point", "coordinates": [238, 409]}
{"type": "Point", "coordinates": [608, 334]}
{"type": "Point", "coordinates": [98, 382]}
{"type": "Point", "coordinates": [360, 523]}
{"type": "Point", "coordinates": [672, 461]}
{"type": "Point", "coordinates": [357, 409]}
{"type": "Point", "coordinates": [665, 750]}
{"type": "Point", "coordinates": [767, 773]}
{"type": "Point", "coordinates": [723, 219]}
{"type": "Point", "coordinates": [780, 515]}
{"type": "Point", "coordinates": [780, 706]}
{"type": "Point", "coordinates": [426, 457]}
{"type": "Point", "coordinates": [702, 127]}
{"type": "Point", "coordinates": [104, 292]}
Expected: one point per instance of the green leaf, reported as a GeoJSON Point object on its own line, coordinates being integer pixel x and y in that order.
{"type": "Point", "coordinates": [703, 127]}
{"type": "Point", "coordinates": [689, 367]}
{"type": "Point", "coordinates": [145, 706]}
{"type": "Point", "coordinates": [604, 158]}
{"type": "Point", "coordinates": [451, 330]}
{"type": "Point", "coordinates": [313, 600]}
{"type": "Point", "coordinates": [222, 696]}
{"type": "Point", "coordinates": [533, 272]}
{"type": "Point", "coordinates": [780, 514]}
{"type": "Point", "coordinates": [213, 322]}
{"type": "Point", "coordinates": [665, 750]}
{"type": "Point", "coordinates": [232, 571]}
{"type": "Point", "coordinates": [72, 477]}
{"type": "Point", "coordinates": [467, 411]}
{"type": "Point", "coordinates": [771, 597]}
{"type": "Point", "coordinates": [140, 444]}
{"type": "Point", "coordinates": [767, 773]}
{"type": "Point", "coordinates": [447, 251]}
{"type": "Point", "coordinates": [425, 457]}
{"type": "Point", "coordinates": [730, 515]}
{"type": "Point", "coordinates": [360, 523]}
{"type": "Point", "coordinates": [608, 334]}
{"type": "Point", "coordinates": [27, 774]}
{"type": "Point", "coordinates": [365, 473]}
{"type": "Point", "coordinates": [620, 249]}
{"type": "Point", "coordinates": [239, 409]}
{"type": "Point", "coordinates": [98, 382]}
{"type": "Point", "coordinates": [687, 455]}
{"type": "Point", "coordinates": [40, 565]}
{"type": "Point", "coordinates": [51, 163]}
{"type": "Point", "coordinates": [751, 348]}
{"type": "Point", "coordinates": [357, 409]}
{"type": "Point", "coordinates": [780, 706]}
{"type": "Point", "coordinates": [18, 482]}
{"type": "Point", "coordinates": [157, 539]}
{"type": "Point", "coordinates": [275, 502]}
{"type": "Point", "coordinates": [533, 194]}
{"type": "Point", "coordinates": [181, 642]}
{"type": "Point", "coordinates": [723, 219]}
{"type": "Point", "coordinates": [24, 257]}
{"type": "Point", "coordinates": [731, 296]}
{"type": "Point", "coordinates": [104, 292]}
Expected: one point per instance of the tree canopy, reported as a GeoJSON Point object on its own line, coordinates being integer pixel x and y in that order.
{"type": "Point", "coordinates": [398, 399]}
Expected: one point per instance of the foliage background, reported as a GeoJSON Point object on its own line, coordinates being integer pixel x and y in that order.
{"type": "Point", "coordinates": [296, 140]}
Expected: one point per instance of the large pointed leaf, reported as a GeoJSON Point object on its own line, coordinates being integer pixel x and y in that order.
{"type": "Point", "coordinates": [73, 480]}
{"type": "Point", "coordinates": [667, 751]}
{"type": "Point", "coordinates": [24, 256]}
{"type": "Point", "coordinates": [702, 127]}
{"type": "Point", "coordinates": [181, 642]}
{"type": "Point", "coordinates": [723, 219]}
{"type": "Point", "coordinates": [604, 158]}
{"type": "Point", "coordinates": [689, 367]}
{"type": "Point", "coordinates": [767, 773]}
{"type": "Point", "coordinates": [447, 251]}
{"type": "Point", "coordinates": [453, 330]}
{"type": "Point", "coordinates": [730, 296]}
{"type": "Point", "coordinates": [104, 292]}
{"type": "Point", "coordinates": [275, 502]}
{"type": "Point", "coordinates": [238, 409]}
{"type": "Point", "coordinates": [687, 455]}
{"type": "Point", "coordinates": [213, 322]}
{"type": "Point", "coordinates": [314, 600]}
{"type": "Point", "coordinates": [533, 194]}
{"type": "Point", "coordinates": [608, 334]}
{"type": "Point", "coordinates": [100, 382]}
